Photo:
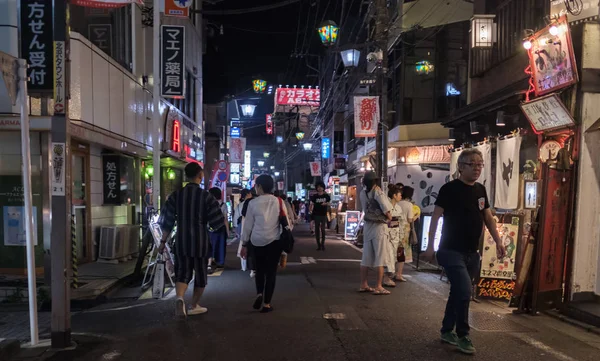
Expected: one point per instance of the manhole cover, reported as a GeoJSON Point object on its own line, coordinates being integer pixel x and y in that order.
{"type": "Point", "coordinates": [489, 321]}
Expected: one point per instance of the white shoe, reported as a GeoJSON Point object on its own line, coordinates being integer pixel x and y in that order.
{"type": "Point", "coordinates": [252, 274]}
{"type": "Point", "coordinates": [198, 310]}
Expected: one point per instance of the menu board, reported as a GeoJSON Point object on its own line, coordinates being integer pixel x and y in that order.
{"type": "Point", "coordinates": [547, 113]}
{"type": "Point", "coordinates": [353, 219]}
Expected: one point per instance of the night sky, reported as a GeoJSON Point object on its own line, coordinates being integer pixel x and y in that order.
{"type": "Point", "coordinates": [262, 43]}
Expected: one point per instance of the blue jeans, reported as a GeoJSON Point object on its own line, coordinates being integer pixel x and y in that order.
{"type": "Point", "coordinates": [218, 242]}
{"type": "Point", "coordinates": [460, 268]}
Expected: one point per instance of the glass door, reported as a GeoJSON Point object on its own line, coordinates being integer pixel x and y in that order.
{"type": "Point", "coordinates": [81, 206]}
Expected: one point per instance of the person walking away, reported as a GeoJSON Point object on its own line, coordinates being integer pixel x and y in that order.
{"type": "Point", "coordinates": [244, 196]}
{"type": "Point", "coordinates": [262, 228]}
{"type": "Point", "coordinates": [319, 203]}
{"type": "Point", "coordinates": [405, 249]}
{"type": "Point", "coordinates": [218, 237]}
{"type": "Point", "coordinates": [194, 210]}
{"type": "Point", "coordinates": [374, 232]}
{"type": "Point", "coordinates": [395, 235]}
{"type": "Point", "coordinates": [465, 207]}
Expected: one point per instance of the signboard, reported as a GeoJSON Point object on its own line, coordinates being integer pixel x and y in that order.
{"type": "Point", "coordinates": [294, 96]}
{"type": "Point", "coordinates": [315, 169]}
{"type": "Point", "coordinates": [14, 225]}
{"type": "Point", "coordinates": [340, 163]}
{"type": "Point", "coordinates": [59, 77]}
{"type": "Point", "coordinates": [235, 132]}
{"type": "Point", "coordinates": [178, 8]}
{"type": "Point", "coordinates": [111, 179]}
{"type": "Point", "coordinates": [584, 10]}
{"type": "Point", "coordinates": [219, 177]}
{"type": "Point", "coordinates": [172, 61]}
{"type": "Point", "coordinates": [106, 3]}
{"type": "Point", "coordinates": [270, 124]}
{"type": "Point", "coordinates": [299, 188]}
{"type": "Point", "coordinates": [503, 268]}
{"type": "Point", "coordinates": [547, 113]}
{"type": "Point", "coordinates": [425, 235]}
{"type": "Point", "coordinates": [352, 224]}
{"type": "Point", "coordinates": [236, 152]}
{"type": "Point", "coordinates": [234, 178]}
{"type": "Point", "coordinates": [36, 44]}
{"type": "Point", "coordinates": [366, 116]}
{"type": "Point", "coordinates": [392, 157]}
{"type": "Point", "coordinates": [10, 70]}
{"type": "Point", "coordinates": [101, 36]}
{"type": "Point", "coordinates": [280, 186]}
{"type": "Point", "coordinates": [176, 137]}
{"type": "Point", "coordinates": [235, 167]}
{"type": "Point", "coordinates": [435, 154]}
{"type": "Point", "coordinates": [58, 167]}
{"type": "Point", "coordinates": [552, 60]}
{"type": "Point", "coordinates": [247, 164]}
{"type": "Point", "coordinates": [531, 194]}
{"type": "Point", "coordinates": [325, 148]}
{"type": "Point", "coordinates": [497, 289]}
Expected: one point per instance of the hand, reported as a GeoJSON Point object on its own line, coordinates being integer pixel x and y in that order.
{"type": "Point", "coordinates": [244, 252]}
{"type": "Point", "coordinates": [500, 251]}
{"type": "Point", "coordinates": [162, 247]}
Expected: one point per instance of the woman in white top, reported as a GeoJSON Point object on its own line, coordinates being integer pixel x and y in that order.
{"type": "Point", "coordinates": [262, 228]}
{"type": "Point", "coordinates": [396, 230]}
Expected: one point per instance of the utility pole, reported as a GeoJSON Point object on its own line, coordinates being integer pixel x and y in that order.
{"type": "Point", "coordinates": [60, 242]}
{"type": "Point", "coordinates": [156, 123]}
{"type": "Point", "coordinates": [382, 23]}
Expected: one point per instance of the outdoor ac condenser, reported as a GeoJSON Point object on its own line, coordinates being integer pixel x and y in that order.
{"type": "Point", "coordinates": [110, 243]}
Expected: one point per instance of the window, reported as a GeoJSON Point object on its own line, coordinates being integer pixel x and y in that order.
{"type": "Point", "coordinates": [188, 105]}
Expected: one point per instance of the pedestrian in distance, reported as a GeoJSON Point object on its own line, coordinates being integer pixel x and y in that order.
{"type": "Point", "coordinates": [195, 211]}
{"type": "Point", "coordinates": [262, 228]}
{"type": "Point", "coordinates": [319, 205]}
{"type": "Point", "coordinates": [465, 207]}
{"type": "Point", "coordinates": [218, 237]}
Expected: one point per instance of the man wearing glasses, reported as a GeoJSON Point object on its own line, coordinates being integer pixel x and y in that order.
{"type": "Point", "coordinates": [464, 204]}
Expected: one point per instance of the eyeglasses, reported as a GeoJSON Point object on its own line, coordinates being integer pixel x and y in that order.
{"type": "Point", "coordinates": [475, 165]}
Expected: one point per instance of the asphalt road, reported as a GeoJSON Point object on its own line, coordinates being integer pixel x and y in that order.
{"type": "Point", "coordinates": [402, 326]}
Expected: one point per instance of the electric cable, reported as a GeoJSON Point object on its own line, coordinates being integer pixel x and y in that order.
{"type": "Point", "coordinates": [249, 10]}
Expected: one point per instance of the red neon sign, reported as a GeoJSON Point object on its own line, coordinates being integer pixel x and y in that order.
{"type": "Point", "coordinates": [270, 124]}
{"type": "Point", "coordinates": [176, 144]}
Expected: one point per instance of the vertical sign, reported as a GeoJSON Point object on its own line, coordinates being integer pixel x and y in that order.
{"type": "Point", "coordinates": [172, 61]}
{"type": "Point", "coordinates": [101, 36]}
{"type": "Point", "coordinates": [326, 148]}
{"type": "Point", "coordinates": [36, 43]}
{"type": "Point", "coordinates": [59, 77]}
{"type": "Point", "coordinates": [111, 179]}
{"type": "Point", "coordinates": [58, 166]}
{"type": "Point", "coordinates": [176, 143]}
{"type": "Point", "coordinates": [352, 224]}
{"type": "Point", "coordinates": [270, 124]}
{"type": "Point", "coordinates": [247, 163]}
{"type": "Point", "coordinates": [366, 116]}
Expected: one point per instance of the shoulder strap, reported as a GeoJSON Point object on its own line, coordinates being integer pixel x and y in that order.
{"type": "Point", "coordinates": [281, 213]}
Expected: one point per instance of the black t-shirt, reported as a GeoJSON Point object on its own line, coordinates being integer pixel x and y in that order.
{"type": "Point", "coordinates": [463, 215]}
{"type": "Point", "coordinates": [319, 209]}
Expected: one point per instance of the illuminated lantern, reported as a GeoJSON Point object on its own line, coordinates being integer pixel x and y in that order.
{"type": "Point", "coordinates": [424, 67]}
{"type": "Point", "coordinates": [248, 110]}
{"type": "Point", "coordinates": [328, 31]}
{"type": "Point", "coordinates": [299, 135]}
{"type": "Point", "coordinates": [483, 31]}
{"type": "Point", "coordinates": [259, 86]}
{"type": "Point", "coordinates": [171, 174]}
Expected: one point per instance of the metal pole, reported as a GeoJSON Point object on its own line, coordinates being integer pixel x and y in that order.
{"type": "Point", "coordinates": [156, 123]}
{"type": "Point", "coordinates": [381, 37]}
{"type": "Point", "coordinates": [30, 232]}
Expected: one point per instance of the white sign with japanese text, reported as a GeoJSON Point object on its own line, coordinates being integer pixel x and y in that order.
{"type": "Point", "coordinates": [58, 166]}
{"type": "Point", "coordinates": [172, 61]}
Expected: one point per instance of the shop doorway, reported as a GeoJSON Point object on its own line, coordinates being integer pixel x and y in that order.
{"type": "Point", "coordinates": [81, 205]}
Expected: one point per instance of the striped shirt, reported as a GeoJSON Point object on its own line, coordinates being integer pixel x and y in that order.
{"type": "Point", "coordinates": [195, 210]}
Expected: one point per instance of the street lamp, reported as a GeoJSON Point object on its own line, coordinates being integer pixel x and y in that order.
{"type": "Point", "coordinates": [350, 57]}
{"type": "Point", "coordinates": [277, 174]}
{"type": "Point", "coordinates": [261, 163]}
{"type": "Point", "coordinates": [299, 135]}
{"type": "Point", "coordinates": [328, 31]}
{"type": "Point", "coordinates": [272, 167]}
{"type": "Point", "coordinates": [259, 85]}
{"type": "Point", "coordinates": [266, 155]}
{"type": "Point", "coordinates": [248, 110]}
{"type": "Point", "coordinates": [307, 146]}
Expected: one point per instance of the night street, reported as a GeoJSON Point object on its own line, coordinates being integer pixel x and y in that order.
{"type": "Point", "coordinates": [401, 326]}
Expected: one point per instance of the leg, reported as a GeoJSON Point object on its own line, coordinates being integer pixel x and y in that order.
{"type": "Point", "coordinates": [317, 225]}
{"type": "Point", "coordinates": [379, 249]}
{"type": "Point", "coordinates": [184, 268]}
{"type": "Point", "coordinates": [366, 262]}
{"type": "Point", "coordinates": [200, 279]}
{"type": "Point", "coordinates": [323, 232]}
{"type": "Point", "coordinates": [260, 257]}
{"type": "Point", "coordinates": [379, 277]}
{"type": "Point", "coordinates": [273, 255]}
{"type": "Point", "coordinates": [455, 266]}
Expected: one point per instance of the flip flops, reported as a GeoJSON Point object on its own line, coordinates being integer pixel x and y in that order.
{"type": "Point", "coordinates": [381, 292]}
{"type": "Point", "coordinates": [366, 290]}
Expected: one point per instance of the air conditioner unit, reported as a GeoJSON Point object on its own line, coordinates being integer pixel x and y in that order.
{"type": "Point", "coordinates": [110, 243]}
{"type": "Point", "coordinates": [131, 239]}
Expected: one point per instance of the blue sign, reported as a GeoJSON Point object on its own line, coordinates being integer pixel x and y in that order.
{"type": "Point", "coordinates": [326, 148]}
{"type": "Point", "coordinates": [235, 132]}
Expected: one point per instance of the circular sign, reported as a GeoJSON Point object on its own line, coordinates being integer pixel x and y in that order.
{"type": "Point", "coordinates": [549, 150]}
{"type": "Point", "coordinates": [222, 165]}
{"type": "Point", "coordinates": [222, 176]}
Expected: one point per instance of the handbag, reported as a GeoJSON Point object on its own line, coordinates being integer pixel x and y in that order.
{"type": "Point", "coordinates": [373, 212]}
{"type": "Point", "coordinates": [287, 238]}
{"type": "Point", "coordinates": [412, 237]}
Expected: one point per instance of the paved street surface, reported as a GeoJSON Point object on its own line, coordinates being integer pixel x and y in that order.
{"type": "Point", "coordinates": [402, 326]}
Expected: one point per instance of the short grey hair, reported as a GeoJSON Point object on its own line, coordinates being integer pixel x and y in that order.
{"type": "Point", "coordinates": [466, 155]}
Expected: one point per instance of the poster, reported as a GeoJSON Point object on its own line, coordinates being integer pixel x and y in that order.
{"type": "Point", "coordinates": [352, 223]}
{"type": "Point", "coordinates": [58, 169]}
{"type": "Point", "coordinates": [454, 163]}
{"type": "Point", "coordinates": [366, 116]}
{"type": "Point", "coordinates": [507, 173]}
{"type": "Point", "coordinates": [236, 152]}
{"type": "Point", "coordinates": [14, 225]}
{"type": "Point", "coordinates": [315, 169]}
{"type": "Point", "coordinates": [503, 268]}
{"type": "Point", "coordinates": [486, 174]}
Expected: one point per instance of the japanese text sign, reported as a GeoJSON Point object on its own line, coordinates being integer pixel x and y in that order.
{"type": "Point", "coordinates": [101, 36]}
{"type": "Point", "coordinates": [298, 96]}
{"type": "Point", "coordinates": [270, 124]}
{"type": "Point", "coordinates": [59, 77]}
{"type": "Point", "coordinates": [315, 169]}
{"type": "Point", "coordinates": [325, 148]}
{"type": "Point", "coordinates": [36, 44]}
{"type": "Point", "coordinates": [172, 61]}
{"type": "Point", "coordinates": [111, 179]}
{"type": "Point", "coordinates": [366, 116]}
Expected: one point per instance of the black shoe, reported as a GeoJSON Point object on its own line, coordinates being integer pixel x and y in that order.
{"type": "Point", "coordinates": [258, 302]}
{"type": "Point", "coordinates": [322, 248]}
{"type": "Point", "coordinates": [318, 248]}
{"type": "Point", "coordinates": [266, 309]}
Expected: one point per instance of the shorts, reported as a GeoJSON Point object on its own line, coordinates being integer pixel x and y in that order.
{"type": "Point", "coordinates": [374, 247]}
{"type": "Point", "coordinates": [186, 267]}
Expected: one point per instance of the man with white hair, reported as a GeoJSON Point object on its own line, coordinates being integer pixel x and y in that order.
{"type": "Point", "coordinates": [464, 204]}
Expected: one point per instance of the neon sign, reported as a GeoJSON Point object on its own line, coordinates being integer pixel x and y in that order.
{"type": "Point", "coordinates": [176, 143]}
{"type": "Point", "coordinates": [270, 124]}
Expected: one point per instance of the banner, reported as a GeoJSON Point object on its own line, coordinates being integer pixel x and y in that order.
{"type": "Point", "coordinates": [219, 177]}
{"type": "Point", "coordinates": [486, 174]}
{"type": "Point", "coordinates": [172, 61]}
{"type": "Point", "coordinates": [428, 154]}
{"type": "Point", "coordinates": [366, 116]}
{"type": "Point", "coordinates": [507, 173]}
{"type": "Point", "coordinates": [315, 169]}
{"type": "Point", "coordinates": [105, 3]}
{"type": "Point", "coordinates": [454, 174]}
{"type": "Point", "coordinates": [236, 152]}
{"type": "Point", "coordinates": [269, 124]}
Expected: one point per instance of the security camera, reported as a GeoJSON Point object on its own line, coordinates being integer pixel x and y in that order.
{"type": "Point", "coordinates": [372, 57]}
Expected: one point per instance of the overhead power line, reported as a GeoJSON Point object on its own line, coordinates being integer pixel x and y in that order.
{"type": "Point", "coordinates": [249, 10]}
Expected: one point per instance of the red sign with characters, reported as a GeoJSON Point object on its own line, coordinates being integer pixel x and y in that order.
{"type": "Point", "coordinates": [270, 124]}
{"type": "Point", "coordinates": [298, 96]}
{"type": "Point", "coordinates": [366, 116]}
{"type": "Point", "coordinates": [176, 143]}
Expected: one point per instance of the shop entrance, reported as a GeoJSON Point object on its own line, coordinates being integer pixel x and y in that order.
{"type": "Point", "coordinates": [81, 205]}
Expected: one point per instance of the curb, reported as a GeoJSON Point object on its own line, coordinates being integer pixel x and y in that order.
{"type": "Point", "coordinates": [9, 348]}
{"type": "Point", "coordinates": [557, 315]}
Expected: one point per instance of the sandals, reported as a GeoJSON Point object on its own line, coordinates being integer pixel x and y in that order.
{"type": "Point", "coordinates": [381, 292]}
{"type": "Point", "coordinates": [365, 290]}
{"type": "Point", "coordinates": [389, 284]}
{"type": "Point", "coordinates": [401, 279]}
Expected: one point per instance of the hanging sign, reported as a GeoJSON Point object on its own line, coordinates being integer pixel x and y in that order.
{"type": "Point", "coordinates": [172, 61]}
{"type": "Point", "coordinates": [235, 132]}
{"type": "Point", "coordinates": [236, 152]}
{"type": "Point", "coordinates": [37, 45]}
{"type": "Point", "coordinates": [59, 77]}
{"type": "Point", "coordinates": [178, 7]}
{"type": "Point", "coordinates": [58, 167]}
{"type": "Point", "coordinates": [315, 169]}
{"type": "Point", "coordinates": [547, 113]}
{"type": "Point", "coordinates": [111, 179]}
{"type": "Point", "coordinates": [219, 177]}
{"type": "Point", "coordinates": [270, 124]}
{"type": "Point", "coordinates": [280, 185]}
{"type": "Point", "coordinates": [581, 10]}
{"type": "Point", "coordinates": [176, 137]}
{"type": "Point", "coordinates": [340, 163]}
{"type": "Point", "coordinates": [366, 116]}
{"type": "Point", "coordinates": [295, 96]}
{"type": "Point", "coordinates": [105, 3]}
{"type": "Point", "coordinates": [552, 59]}
{"type": "Point", "coordinates": [325, 148]}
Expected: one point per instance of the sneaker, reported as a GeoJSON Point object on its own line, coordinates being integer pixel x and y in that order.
{"type": "Point", "coordinates": [198, 310]}
{"type": "Point", "coordinates": [450, 338]}
{"type": "Point", "coordinates": [465, 345]}
{"type": "Point", "coordinates": [180, 310]}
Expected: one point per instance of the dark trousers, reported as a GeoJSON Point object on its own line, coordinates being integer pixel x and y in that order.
{"type": "Point", "coordinates": [320, 227]}
{"type": "Point", "coordinates": [266, 260]}
{"type": "Point", "coordinates": [218, 241]}
{"type": "Point", "coordinates": [460, 269]}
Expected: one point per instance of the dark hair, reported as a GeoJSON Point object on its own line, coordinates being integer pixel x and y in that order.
{"type": "Point", "coordinates": [282, 196]}
{"type": "Point", "coordinates": [265, 182]}
{"type": "Point", "coordinates": [320, 184]}
{"type": "Point", "coordinates": [289, 199]}
{"type": "Point", "coordinates": [407, 193]}
{"type": "Point", "coordinates": [393, 190]}
{"type": "Point", "coordinates": [216, 192]}
{"type": "Point", "coordinates": [399, 185]}
{"type": "Point", "coordinates": [192, 170]}
{"type": "Point", "coordinates": [244, 193]}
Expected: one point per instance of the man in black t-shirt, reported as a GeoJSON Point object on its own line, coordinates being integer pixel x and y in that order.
{"type": "Point", "coordinates": [464, 204]}
{"type": "Point", "coordinates": [318, 208]}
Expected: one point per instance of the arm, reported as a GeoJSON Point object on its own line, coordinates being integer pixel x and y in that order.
{"type": "Point", "coordinates": [310, 208]}
{"type": "Point", "coordinates": [214, 215]}
{"type": "Point", "coordinates": [437, 213]}
{"type": "Point", "coordinates": [385, 204]}
{"type": "Point", "coordinates": [167, 218]}
{"type": "Point", "coordinates": [490, 223]}
{"type": "Point", "coordinates": [247, 225]}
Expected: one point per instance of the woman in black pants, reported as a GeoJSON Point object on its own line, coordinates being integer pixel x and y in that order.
{"type": "Point", "coordinates": [262, 229]}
